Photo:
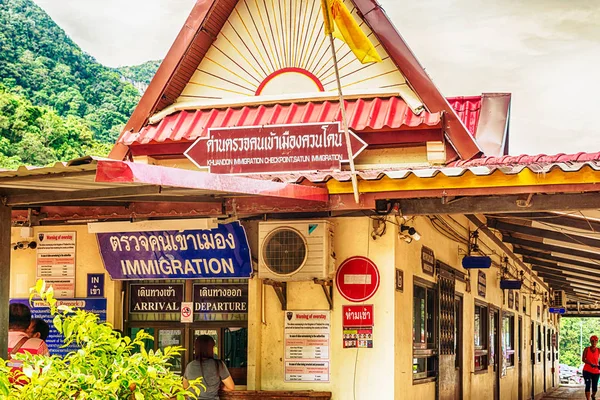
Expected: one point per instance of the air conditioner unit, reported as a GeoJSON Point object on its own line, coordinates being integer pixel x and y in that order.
{"type": "Point", "coordinates": [559, 299]}
{"type": "Point", "coordinates": [295, 250]}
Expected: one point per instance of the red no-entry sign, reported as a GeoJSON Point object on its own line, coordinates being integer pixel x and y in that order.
{"type": "Point", "coordinates": [357, 279]}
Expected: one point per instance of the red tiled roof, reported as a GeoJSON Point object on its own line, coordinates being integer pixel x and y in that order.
{"type": "Point", "coordinates": [524, 159]}
{"type": "Point", "coordinates": [468, 109]}
{"type": "Point", "coordinates": [363, 114]}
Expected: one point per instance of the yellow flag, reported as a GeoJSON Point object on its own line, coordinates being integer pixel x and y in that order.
{"type": "Point", "coordinates": [340, 23]}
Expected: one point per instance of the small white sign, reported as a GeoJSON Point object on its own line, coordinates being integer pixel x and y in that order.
{"type": "Point", "coordinates": [187, 311]}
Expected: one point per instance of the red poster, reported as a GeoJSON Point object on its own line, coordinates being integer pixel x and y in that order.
{"type": "Point", "coordinates": [357, 316]}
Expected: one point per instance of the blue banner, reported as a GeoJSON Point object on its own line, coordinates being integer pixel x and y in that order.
{"type": "Point", "coordinates": [195, 254]}
{"type": "Point", "coordinates": [55, 340]}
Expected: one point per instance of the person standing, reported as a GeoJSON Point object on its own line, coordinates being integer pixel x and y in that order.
{"type": "Point", "coordinates": [591, 372]}
{"type": "Point", "coordinates": [214, 372]}
{"type": "Point", "coordinates": [38, 329]}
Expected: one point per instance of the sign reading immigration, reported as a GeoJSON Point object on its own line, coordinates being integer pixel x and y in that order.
{"type": "Point", "coordinates": [55, 340]}
{"type": "Point", "coordinates": [307, 346]}
{"type": "Point", "coordinates": [195, 254]}
{"type": "Point", "coordinates": [221, 298]}
{"type": "Point", "coordinates": [274, 148]}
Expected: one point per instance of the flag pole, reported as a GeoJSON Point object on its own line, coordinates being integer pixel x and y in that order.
{"type": "Point", "coordinates": [343, 109]}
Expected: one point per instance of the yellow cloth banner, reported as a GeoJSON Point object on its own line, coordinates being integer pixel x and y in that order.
{"type": "Point", "coordinates": [341, 24]}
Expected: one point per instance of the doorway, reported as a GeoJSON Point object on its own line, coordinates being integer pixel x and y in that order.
{"type": "Point", "coordinates": [519, 356]}
{"type": "Point", "coordinates": [496, 349]}
{"type": "Point", "coordinates": [450, 343]}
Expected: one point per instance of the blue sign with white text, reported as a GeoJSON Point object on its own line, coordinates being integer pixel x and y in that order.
{"type": "Point", "coordinates": [222, 252]}
{"type": "Point", "coordinates": [55, 340]}
{"type": "Point", "coordinates": [95, 285]}
{"type": "Point", "coordinates": [553, 310]}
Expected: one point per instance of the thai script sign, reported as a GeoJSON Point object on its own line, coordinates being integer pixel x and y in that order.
{"type": "Point", "coordinates": [306, 341]}
{"type": "Point", "coordinates": [221, 298]}
{"type": "Point", "coordinates": [55, 340]}
{"type": "Point", "coordinates": [427, 260]}
{"type": "Point", "coordinates": [195, 254]}
{"type": "Point", "coordinates": [155, 297]}
{"type": "Point", "coordinates": [357, 315]}
{"type": "Point", "coordinates": [274, 148]}
{"type": "Point", "coordinates": [95, 285]}
{"type": "Point", "coordinates": [357, 326]}
{"type": "Point", "coordinates": [55, 261]}
{"type": "Point", "coordinates": [481, 283]}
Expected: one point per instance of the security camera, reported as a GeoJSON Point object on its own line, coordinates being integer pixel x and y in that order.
{"type": "Point", "coordinates": [24, 245]}
{"type": "Point", "coordinates": [409, 233]}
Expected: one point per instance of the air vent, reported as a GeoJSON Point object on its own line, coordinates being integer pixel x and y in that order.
{"type": "Point", "coordinates": [284, 251]}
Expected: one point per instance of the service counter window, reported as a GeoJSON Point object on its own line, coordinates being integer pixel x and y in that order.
{"type": "Point", "coordinates": [424, 331]}
{"type": "Point", "coordinates": [220, 309]}
{"type": "Point", "coordinates": [481, 336]}
{"type": "Point", "coordinates": [508, 338]}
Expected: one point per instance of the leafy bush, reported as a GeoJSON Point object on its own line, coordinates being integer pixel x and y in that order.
{"type": "Point", "coordinates": [107, 366]}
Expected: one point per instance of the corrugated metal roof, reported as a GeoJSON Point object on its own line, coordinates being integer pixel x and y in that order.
{"type": "Point", "coordinates": [363, 114]}
{"type": "Point", "coordinates": [468, 109]}
{"type": "Point", "coordinates": [508, 165]}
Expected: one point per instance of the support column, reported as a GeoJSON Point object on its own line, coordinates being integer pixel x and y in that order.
{"type": "Point", "coordinates": [5, 225]}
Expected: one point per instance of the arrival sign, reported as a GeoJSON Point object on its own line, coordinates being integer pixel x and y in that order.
{"type": "Point", "coordinates": [274, 148]}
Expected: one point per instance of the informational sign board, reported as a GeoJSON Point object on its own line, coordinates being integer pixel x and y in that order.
{"type": "Point", "coordinates": [187, 314]}
{"type": "Point", "coordinates": [222, 298]}
{"type": "Point", "coordinates": [55, 340]}
{"type": "Point", "coordinates": [155, 297]}
{"type": "Point", "coordinates": [399, 280]}
{"type": "Point", "coordinates": [307, 342]}
{"type": "Point", "coordinates": [557, 310]}
{"type": "Point", "coordinates": [274, 148]}
{"type": "Point", "coordinates": [427, 260]}
{"type": "Point", "coordinates": [222, 253]}
{"type": "Point", "coordinates": [357, 326]}
{"type": "Point", "coordinates": [357, 279]}
{"type": "Point", "coordinates": [55, 261]}
{"type": "Point", "coordinates": [481, 283]}
{"type": "Point", "coordinates": [95, 285]}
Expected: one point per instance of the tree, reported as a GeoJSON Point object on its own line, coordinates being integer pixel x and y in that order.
{"type": "Point", "coordinates": [107, 366]}
{"type": "Point", "coordinates": [571, 330]}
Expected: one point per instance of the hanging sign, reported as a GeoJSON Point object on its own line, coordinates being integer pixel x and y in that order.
{"type": "Point", "coordinates": [357, 326]}
{"type": "Point", "coordinates": [274, 148]}
{"type": "Point", "coordinates": [195, 254]}
{"type": "Point", "coordinates": [481, 284]}
{"type": "Point", "coordinates": [222, 298]}
{"type": "Point", "coordinates": [55, 261]}
{"type": "Point", "coordinates": [357, 279]}
{"type": "Point", "coordinates": [155, 297]}
{"type": "Point", "coordinates": [55, 340]}
{"type": "Point", "coordinates": [306, 338]}
{"type": "Point", "coordinates": [427, 260]}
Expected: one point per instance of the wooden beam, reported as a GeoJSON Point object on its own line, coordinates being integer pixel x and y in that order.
{"type": "Point", "coordinates": [549, 257]}
{"type": "Point", "coordinates": [562, 220]}
{"type": "Point", "coordinates": [550, 247]}
{"type": "Point", "coordinates": [561, 272]}
{"type": "Point", "coordinates": [485, 230]}
{"type": "Point", "coordinates": [544, 233]}
{"type": "Point", "coordinates": [44, 197]}
{"type": "Point", "coordinates": [5, 224]}
{"type": "Point", "coordinates": [500, 204]}
{"type": "Point", "coordinates": [550, 264]}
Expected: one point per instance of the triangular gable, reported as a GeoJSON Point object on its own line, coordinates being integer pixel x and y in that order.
{"type": "Point", "coordinates": [230, 49]}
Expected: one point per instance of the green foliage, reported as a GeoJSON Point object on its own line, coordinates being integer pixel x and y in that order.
{"type": "Point", "coordinates": [105, 367]}
{"type": "Point", "coordinates": [40, 63]}
{"type": "Point", "coordinates": [571, 329]}
{"type": "Point", "coordinates": [142, 73]}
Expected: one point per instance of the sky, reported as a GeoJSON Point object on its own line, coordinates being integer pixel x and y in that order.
{"type": "Point", "coordinates": [545, 52]}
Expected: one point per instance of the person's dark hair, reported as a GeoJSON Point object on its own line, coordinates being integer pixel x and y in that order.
{"type": "Point", "coordinates": [204, 347]}
{"type": "Point", "coordinates": [40, 326]}
{"type": "Point", "coordinates": [19, 317]}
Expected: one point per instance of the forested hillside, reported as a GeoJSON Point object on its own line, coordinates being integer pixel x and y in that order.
{"type": "Point", "coordinates": [56, 102]}
{"type": "Point", "coordinates": [140, 75]}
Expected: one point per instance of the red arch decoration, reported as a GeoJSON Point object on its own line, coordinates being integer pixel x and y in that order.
{"type": "Point", "coordinates": [285, 70]}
